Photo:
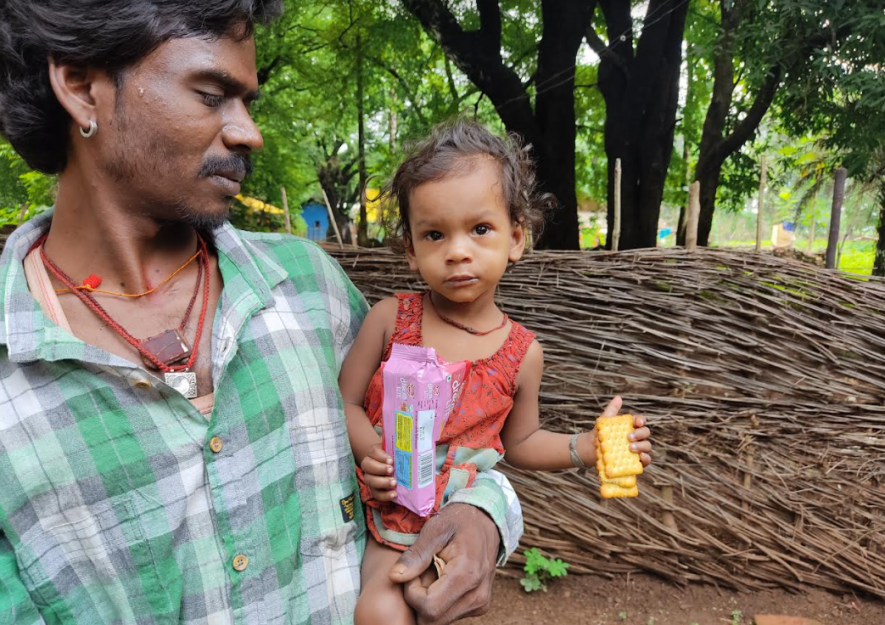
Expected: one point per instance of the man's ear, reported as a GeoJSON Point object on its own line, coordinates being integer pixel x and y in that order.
{"type": "Point", "coordinates": [517, 242]}
{"type": "Point", "coordinates": [76, 89]}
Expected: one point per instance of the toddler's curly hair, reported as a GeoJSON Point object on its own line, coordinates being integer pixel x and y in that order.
{"type": "Point", "coordinates": [450, 151]}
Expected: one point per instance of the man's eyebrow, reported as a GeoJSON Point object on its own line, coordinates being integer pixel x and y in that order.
{"type": "Point", "coordinates": [229, 83]}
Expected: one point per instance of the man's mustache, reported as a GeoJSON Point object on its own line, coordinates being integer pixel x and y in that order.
{"type": "Point", "coordinates": [234, 166]}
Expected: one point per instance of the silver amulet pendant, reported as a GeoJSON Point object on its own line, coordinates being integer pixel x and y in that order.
{"type": "Point", "coordinates": [185, 382]}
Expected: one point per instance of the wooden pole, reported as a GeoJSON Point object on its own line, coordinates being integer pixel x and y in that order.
{"type": "Point", "coordinates": [762, 181]}
{"type": "Point", "coordinates": [694, 214]}
{"type": "Point", "coordinates": [811, 236]}
{"type": "Point", "coordinates": [23, 214]}
{"type": "Point", "coordinates": [332, 217]}
{"type": "Point", "coordinates": [667, 517]}
{"type": "Point", "coordinates": [286, 210]}
{"type": "Point", "coordinates": [616, 230]}
{"type": "Point", "coordinates": [748, 476]}
{"type": "Point", "coordinates": [836, 216]}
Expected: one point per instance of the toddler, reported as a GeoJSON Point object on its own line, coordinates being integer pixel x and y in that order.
{"type": "Point", "coordinates": [466, 201]}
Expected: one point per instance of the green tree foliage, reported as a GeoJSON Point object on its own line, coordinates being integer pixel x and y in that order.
{"type": "Point", "coordinates": [23, 192]}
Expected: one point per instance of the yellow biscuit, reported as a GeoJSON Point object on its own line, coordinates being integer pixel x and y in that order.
{"type": "Point", "coordinates": [610, 491]}
{"type": "Point", "coordinates": [624, 482]}
{"type": "Point", "coordinates": [614, 443]}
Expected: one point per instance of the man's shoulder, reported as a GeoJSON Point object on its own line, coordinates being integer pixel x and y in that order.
{"type": "Point", "coordinates": [297, 256]}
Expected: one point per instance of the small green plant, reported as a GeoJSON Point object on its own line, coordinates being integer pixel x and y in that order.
{"type": "Point", "coordinates": [735, 617]}
{"type": "Point", "coordinates": [540, 569]}
{"type": "Point", "coordinates": [622, 615]}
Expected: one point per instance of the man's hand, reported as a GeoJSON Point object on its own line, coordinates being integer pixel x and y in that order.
{"type": "Point", "coordinates": [467, 541]}
{"type": "Point", "coordinates": [378, 474]}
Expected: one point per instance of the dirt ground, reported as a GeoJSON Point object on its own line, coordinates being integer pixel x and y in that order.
{"type": "Point", "coordinates": [645, 600]}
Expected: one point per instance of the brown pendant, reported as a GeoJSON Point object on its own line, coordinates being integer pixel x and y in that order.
{"type": "Point", "coordinates": [170, 348]}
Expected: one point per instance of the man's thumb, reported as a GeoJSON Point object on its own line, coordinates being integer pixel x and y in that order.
{"type": "Point", "coordinates": [419, 556]}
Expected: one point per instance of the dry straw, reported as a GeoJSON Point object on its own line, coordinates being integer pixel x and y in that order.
{"type": "Point", "coordinates": [763, 380]}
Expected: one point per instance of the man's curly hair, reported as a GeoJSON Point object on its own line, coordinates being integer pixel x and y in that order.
{"type": "Point", "coordinates": [450, 150]}
{"type": "Point", "coordinates": [109, 34]}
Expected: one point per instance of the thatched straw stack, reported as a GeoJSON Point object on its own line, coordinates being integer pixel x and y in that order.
{"type": "Point", "coordinates": [763, 380]}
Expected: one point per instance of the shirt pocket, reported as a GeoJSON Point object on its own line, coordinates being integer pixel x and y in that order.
{"type": "Point", "coordinates": [332, 523]}
{"type": "Point", "coordinates": [100, 550]}
{"type": "Point", "coordinates": [325, 478]}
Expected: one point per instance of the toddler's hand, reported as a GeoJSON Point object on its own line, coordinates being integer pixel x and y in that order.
{"type": "Point", "coordinates": [378, 474]}
{"type": "Point", "coordinates": [640, 440]}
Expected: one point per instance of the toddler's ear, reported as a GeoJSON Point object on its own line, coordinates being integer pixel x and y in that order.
{"type": "Point", "coordinates": [517, 242]}
{"type": "Point", "coordinates": [410, 253]}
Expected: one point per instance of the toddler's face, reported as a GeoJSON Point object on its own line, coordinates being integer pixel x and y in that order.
{"type": "Point", "coordinates": [461, 234]}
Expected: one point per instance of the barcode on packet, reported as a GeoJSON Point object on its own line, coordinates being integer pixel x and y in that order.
{"type": "Point", "coordinates": [425, 469]}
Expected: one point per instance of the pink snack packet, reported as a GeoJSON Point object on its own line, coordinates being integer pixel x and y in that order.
{"type": "Point", "coordinates": [420, 393]}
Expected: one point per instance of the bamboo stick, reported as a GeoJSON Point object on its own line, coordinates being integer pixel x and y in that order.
{"type": "Point", "coordinates": [761, 207]}
{"type": "Point", "coordinates": [286, 210]}
{"type": "Point", "coordinates": [616, 229]}
{"type": "Point", "coordinates": [332, 217]}
{"type": "Point", "coordinates": [694, 214]}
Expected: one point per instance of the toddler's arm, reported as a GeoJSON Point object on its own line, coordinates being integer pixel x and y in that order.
{"type": "Point", "coordinates": [359, 366]}
{"type": "Point", "coordinates": [529, 447]}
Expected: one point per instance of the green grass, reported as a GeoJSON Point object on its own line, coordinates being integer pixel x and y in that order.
{"type": "Point", "coordinates": [857, 256]}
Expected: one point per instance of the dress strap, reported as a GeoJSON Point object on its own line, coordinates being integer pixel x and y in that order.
{"type": "Point", "coordinates": [409, 314]}
{"type": "Point", "coordinates": [514, 351]}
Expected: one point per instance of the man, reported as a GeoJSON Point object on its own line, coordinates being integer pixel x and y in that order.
{"type": "Point", "coordinates": [172, 440]}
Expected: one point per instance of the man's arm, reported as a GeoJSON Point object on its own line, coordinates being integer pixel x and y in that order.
{"type": "Point", "coordinates": [16, 607]}
{"type": "Point", "coordinates": [352, 310]}
{"type": "Point", "coordinates": [492, 493]}
{"type": "Point", "coordinates": [480, 526]}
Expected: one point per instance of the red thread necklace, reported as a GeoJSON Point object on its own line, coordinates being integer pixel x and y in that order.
{"type": "Point", "coordinates": [171, 343]}
{"type": "Point", "coordinates": [466, 328]}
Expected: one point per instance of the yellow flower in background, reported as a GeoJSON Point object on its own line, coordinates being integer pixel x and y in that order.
{"type": "Point", "coordinates": [373, 205]}
{"type": "Point", "coordinates": [258, 205]}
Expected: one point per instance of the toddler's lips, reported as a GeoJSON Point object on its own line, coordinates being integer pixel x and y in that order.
{"type": "Point", "coordinates": [461, 280]}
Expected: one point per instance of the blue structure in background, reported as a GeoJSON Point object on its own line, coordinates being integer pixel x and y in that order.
{"type": "Point", "coordinates": [317, 218]}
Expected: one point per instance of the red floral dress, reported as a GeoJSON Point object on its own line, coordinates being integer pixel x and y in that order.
{"type": "Point", "coordinates": [471, 438]}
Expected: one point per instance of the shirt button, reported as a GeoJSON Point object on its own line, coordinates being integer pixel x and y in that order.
{"type": "Point", "coordinates": [215, 444]}
{"type": "Point", "coordinates": [142, 384]}
{"type": "Point", "coordinates": [240, 562]}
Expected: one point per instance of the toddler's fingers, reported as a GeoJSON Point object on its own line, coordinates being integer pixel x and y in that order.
{"type": "Point", "coordinates": [638, 421]}
{"type": "Point", "coordinates": [640, 435]}
{"type": "Point", "coordinates": [378, 482]}
{"type": "Point", "coordinates": [380, 455]}
{"type": "Point", "coordinates": [383, 495]}
{"type": "Point", "coordinates": [641, 447]}
{"type": "Point", "coordinates": [374, 467]}
{"type": "Point", "coordinates": [645, 459]}
{"type": "Point", "coordinates": [614, 406]}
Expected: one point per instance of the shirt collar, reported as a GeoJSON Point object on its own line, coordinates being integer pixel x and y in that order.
{"type": "Point", "coordinates": [29, 335]}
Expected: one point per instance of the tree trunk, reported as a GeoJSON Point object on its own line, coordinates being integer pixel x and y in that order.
{"type": "Point", "coordinates": [550, 128]}
{"type": "Point", "coordinates": [879, 263]}
{"type": "Point", "coordinates": [562, 35]}
{"type": "Point", "coordinates": [641, 97]}
{"type": "Point", "coordinates": [393, 122]}
{"type": "Point", "coordinates": [363, 225]}
{"type": "Point", "coordinates": [330, 177]}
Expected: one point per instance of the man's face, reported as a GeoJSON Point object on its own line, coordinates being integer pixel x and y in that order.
{"type": "Point", "coordinates": [180, 134]}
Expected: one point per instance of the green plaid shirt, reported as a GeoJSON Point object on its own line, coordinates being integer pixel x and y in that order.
{"type": "Point", "coordinates": [113, 507]}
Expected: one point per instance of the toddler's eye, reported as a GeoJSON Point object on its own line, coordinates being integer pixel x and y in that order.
{"type": "Point", "coordinates": [434, 235]}
{"type": "Point", "coordinates": [482, 229]}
